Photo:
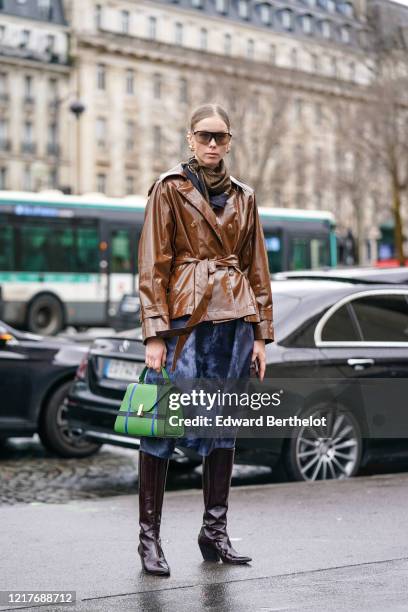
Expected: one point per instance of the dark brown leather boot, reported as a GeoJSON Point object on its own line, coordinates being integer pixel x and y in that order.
{"type": "Point", "coordinates": [213, 539]}
{"type": "Point", "coordinates": [152, 482]}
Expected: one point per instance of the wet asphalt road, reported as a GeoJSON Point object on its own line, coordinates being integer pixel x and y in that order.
{"type": "Point", "coordinates": [30, 474]}
{"type": "Point", "coordinates": [338, 546]}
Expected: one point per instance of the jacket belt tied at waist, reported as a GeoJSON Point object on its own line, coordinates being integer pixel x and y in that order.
{"type": "Point", "coordinates": [206, 268]}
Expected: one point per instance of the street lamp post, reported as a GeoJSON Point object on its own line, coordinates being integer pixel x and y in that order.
{"type": "Point", "coordinates": [77, 108]}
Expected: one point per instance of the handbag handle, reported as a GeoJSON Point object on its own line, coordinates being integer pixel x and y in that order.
{"type": "Point", "coordinates": [143, 374]}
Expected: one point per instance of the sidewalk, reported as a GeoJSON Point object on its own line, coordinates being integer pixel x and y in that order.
{"type": "Point", "coordinates": [315, 546]}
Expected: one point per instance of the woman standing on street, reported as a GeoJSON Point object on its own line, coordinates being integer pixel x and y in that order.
{"type": "Point", "coordinates": [206, 307]}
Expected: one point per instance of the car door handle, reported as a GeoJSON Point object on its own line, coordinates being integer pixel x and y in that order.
{"type": "Point", "coordinates": [359, 364]}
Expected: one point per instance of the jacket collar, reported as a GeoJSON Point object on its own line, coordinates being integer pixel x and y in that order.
{"type": "Point", "coordinates": [187, 189]}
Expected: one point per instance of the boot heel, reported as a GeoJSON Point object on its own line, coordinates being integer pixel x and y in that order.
{"type": "Point", "coordinates": [208, 552]}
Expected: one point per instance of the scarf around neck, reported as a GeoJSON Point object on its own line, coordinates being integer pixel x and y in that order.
{"type": "Point", "coordinates": [213, 183]}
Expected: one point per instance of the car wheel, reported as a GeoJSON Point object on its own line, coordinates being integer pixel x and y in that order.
{"type": "Point", "coordinates": [54, 432]}
{"type": "Point", "coordinates": [45, 315]}
{"type": "Point", "coordinates": [324, 453]}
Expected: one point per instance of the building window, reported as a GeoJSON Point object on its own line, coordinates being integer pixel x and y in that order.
{"type": "Point", "coordinates": [25, 38]}
{"type": "Point", "coordinates": [3, 178]}
{"type": "Point", "coordinates": [334, 69]}
{"type": "Point", "coordinates": [221, 6]}
{"type": "Point", "coordinates": [50, 45]}
{"type": "Point", "coordinates": [101, 132]}
{"type": "Point", "coordinates": [347, 9]}
{"type": "Point", "coordinates": [27, 179]}
{"type": "Point", "coordinates": [124, 22]}
{"type": "Point", "coordinates": [4, 142]}
{"type": "Point", "coordinates": [130, 135]}
{"type": "Point", "coordinates": [101, 182]}
{"type": "Point", "coordinates": [319, 113]}
{"type": "Point", "coordinates": [53, 178]}
{"type": "Point", "coordinates": [203, 38]}
{"type": "Point", "coordinates": [101, 77]}
{"type": "Point", "coordinates": [294, 58]}
{"type": "Point", "coordinates": [2, 32]}
{"type": "Point", "coordinates": [157, 85]}
{"type": "Point", "coordinates": [318, 163]}
{"type": "Point", "coordinates": [227, 44]}
{"type": "Point", "coordinates": [53, 136]}
{"type": "Point", "coordinates": [152, 32]}
{"type": "Point", "coordinates": [130, 185]}
{"type": "Point", "coordinates": [345, 34]}
{"type": "Point", "coordinates": [265, 14]}
{"type": "Point", "coordinates": [178, 33]}
{"type": "Point", "coordinates": [307, 23]}
{"type": "Point", "coordinates": [130, 82]}
{"type": "Point", "coordinates": [3, 85]}
{"type": "Point", "coordinates": [272, 54]}
{"type": "Point", "coordinates": [197, 3]}
{"type": "Point", "coordinates": [299, 164]}
{"type": "Point", "coordinates": [352, 71]}
{"type": "Point", "coordinates": [331, 6]}
{"type": "Point", "coordinates": [243, 9]}
{"type": "Point", "coordinates": [286, 17]}
{"type": "Point", "coordinates": [326, 29]}
{"type": "Point", "coordinates": [157, 140]}
{"type": "Point", "coordinates": [299, 109]}
{"type": "Point", "coordinates": [45, 8]}
{"type": "Point", "coordinates": [98, 16]}
{"type": "Point", "coordinates": [28, 132]}
{"type": "Point", "coordinates": [28, 87]}
{"type": "Point", "coordinates": [250, 48]}
{"type": "Point", "coordinates": [183, 91]}
{"type": "Point", "coordinates": [53, 90]}
{"type": "Point", "coordinates": [315, 62]}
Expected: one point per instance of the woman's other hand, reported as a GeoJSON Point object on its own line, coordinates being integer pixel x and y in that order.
{"type": "Point", "coordinates": [259, 354]}
{"type": "Point", "coordinates": [156, 353]}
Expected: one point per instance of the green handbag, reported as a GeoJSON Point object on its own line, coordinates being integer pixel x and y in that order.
{"type": "Point", "coordinates": [145, 409]}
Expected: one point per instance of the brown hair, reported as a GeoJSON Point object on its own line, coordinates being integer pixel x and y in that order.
{"type": "Point", "coordinates": [209, 110]}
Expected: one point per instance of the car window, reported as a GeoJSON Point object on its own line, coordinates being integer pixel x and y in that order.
{"type": "Point", "coordinates": [382, 318]}
{"type": "Point", "coordinates": [340, 327]}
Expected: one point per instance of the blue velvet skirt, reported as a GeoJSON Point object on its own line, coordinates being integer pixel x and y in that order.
{"type": "Point", "coordinates": [216, 351]}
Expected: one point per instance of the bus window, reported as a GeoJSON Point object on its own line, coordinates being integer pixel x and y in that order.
{"type": "Point", "coordinates": [319, 252]}
{"type": "Point", "coordinates": [6, 248]}
{"type": "Point", "coordinates": [308, 253]}
{"type": "Point", "coordinates": [46, 248]}
{"type": "Point", "coordinates": [273, 243]}
{"type": "Point", "coordinates": [87, 247]}
{"type": "Point", "coordinates": [120, 251]}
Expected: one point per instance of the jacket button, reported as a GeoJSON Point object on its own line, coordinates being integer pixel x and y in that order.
{"type": "Point", "coordinates": [231, 272]}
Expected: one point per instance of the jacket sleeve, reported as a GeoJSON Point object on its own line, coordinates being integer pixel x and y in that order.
{"type": "Point", "coordinates": [256, 266]}
{"type": "Point", "coordinates": [155, 255]}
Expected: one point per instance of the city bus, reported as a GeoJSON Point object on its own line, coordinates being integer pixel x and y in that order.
{"type": "Point", "coordinates": [68, 260]}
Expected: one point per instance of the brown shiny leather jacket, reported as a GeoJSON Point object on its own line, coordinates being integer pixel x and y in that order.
{"type": "Point", "coordinates": [209, 263]}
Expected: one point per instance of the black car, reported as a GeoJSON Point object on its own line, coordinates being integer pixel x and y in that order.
{"type": "Point", "coordinates": [35, 375]}
{"type": "Point", "coordinates": [324, 330]}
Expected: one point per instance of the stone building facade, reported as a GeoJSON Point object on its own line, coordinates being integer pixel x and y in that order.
{"type": "Point", "coordinates": [34, 82]}
{"type": "Point", "coordinates": [287, 70]}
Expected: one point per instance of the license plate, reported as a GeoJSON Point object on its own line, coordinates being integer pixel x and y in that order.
{"type": "Point", "coordinates": [123, 370]}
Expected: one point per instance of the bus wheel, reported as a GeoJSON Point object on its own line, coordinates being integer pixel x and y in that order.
{"type": "Point", "coordinates": [45, 315]}
{"type": "Point", "coordinates": [55, 433]}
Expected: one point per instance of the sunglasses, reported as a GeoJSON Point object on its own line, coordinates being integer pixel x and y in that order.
{"type": "Point", "coordinates": [221, 138]}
